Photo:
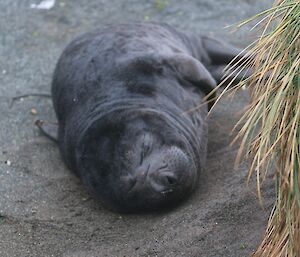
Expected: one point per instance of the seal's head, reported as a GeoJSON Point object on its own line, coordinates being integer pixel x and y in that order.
{"type": "Point", "coordinates": [137, 160]}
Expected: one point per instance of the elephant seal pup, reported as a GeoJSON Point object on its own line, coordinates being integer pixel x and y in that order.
{"type": "Point", "coordinates": [122, 95]}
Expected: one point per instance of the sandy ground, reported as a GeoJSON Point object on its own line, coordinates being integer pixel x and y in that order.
{"type": "Point", "coordinates": [45, 211]}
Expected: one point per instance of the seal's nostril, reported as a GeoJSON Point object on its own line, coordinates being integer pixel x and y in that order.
{"type": "Point", "coordinates": [167, 179]}
{"type": "Point", "coordinates": [171, 180]}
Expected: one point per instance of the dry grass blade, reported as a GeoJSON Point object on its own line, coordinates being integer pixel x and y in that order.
{"type": "Point", "coordinates": [270, 128]}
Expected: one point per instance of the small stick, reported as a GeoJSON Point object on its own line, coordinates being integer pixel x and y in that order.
{"type": "Point", "coordinates": [15, 98]}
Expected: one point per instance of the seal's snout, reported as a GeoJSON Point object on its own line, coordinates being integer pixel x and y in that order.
{"type": "Point", "coordinates": [169, 169]}
{"type": "Point", "coordinates": [163, 178]}
{"type": "Point", "coordinates": [154, 180]}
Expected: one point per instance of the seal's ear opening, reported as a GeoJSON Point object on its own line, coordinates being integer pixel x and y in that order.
{"type": "Point", "coordinates": [192, 70]}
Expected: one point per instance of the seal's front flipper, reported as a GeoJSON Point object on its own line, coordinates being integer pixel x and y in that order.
{"type": "Point", "coordinates": [48, 129]}
{"type": "Point", "coordinates": [192, 70]}
{"type": "Point", "coordinates": [183, 66]}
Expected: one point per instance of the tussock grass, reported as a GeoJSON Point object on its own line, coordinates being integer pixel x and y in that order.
{"type": "Point", "coordinates": [269, 130]}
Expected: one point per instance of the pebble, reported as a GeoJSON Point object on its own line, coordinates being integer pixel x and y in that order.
{"type": "Point", "coordinates": [33, 111]}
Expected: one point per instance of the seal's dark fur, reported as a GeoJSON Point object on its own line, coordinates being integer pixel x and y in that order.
{"type": "Point", "coordinates": [122, 96]}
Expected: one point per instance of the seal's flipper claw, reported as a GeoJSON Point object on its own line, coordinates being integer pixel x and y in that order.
{"type": "Point", "coordinates": [48, 129]}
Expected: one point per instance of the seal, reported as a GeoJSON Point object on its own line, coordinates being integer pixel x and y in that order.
{"type": "Point", "coordinates": [122, 96]}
